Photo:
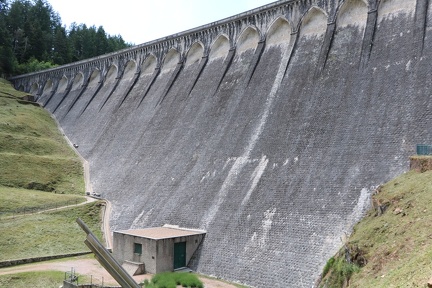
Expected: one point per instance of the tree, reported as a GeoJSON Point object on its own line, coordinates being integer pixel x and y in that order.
{"type": "Point", "coordinates": [33, 37]}
{"type": "Point", "coordinates": [101, 41]}
{"type": "Point", "coordinates": [7, 57]}
{"type": "Point", "coordinates": [61, 50]}
{"type": "Point", "coordinates": [16, 20]}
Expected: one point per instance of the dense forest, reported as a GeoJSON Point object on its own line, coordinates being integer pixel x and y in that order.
{"type": "Point", "coordinates": [33, 38]}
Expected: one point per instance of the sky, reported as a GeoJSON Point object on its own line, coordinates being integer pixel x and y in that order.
{"type": "Point", "coordinates": [140, 21]}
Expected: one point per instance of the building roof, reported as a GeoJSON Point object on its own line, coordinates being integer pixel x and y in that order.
{"type": "Point", "coordinates": [165, 232]}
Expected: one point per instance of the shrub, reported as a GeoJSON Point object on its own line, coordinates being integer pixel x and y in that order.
{"type": "Point", "coordinates": [338, 271]}
{"type": "Point", "coordinates": [171, 280]}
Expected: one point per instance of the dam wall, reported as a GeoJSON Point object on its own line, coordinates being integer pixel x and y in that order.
{"type": "Point", "coordinates": [269, 129]}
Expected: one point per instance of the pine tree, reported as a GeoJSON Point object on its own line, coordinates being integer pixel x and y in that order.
{"type": "Point", "coordinates": [33, 37]}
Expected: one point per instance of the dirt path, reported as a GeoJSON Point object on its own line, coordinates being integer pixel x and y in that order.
{"type": "Point", "coordinates": [88, 200]}
{"type": "Point", "coordinates": [105, 224]}
{"type": "Point", "coordinates": [91, 267]}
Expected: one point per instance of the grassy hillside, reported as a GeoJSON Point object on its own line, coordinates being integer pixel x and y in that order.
{"type": "Point", "coordinates": [48, 279]}
{"type": "Point", "coordinates": [38, 171]}
{"type": "Point", "coordinates": [15, 201]}
{"type": "Point", "coordinates": [33, 153]}
{"type": "Point", "coordinates": [392, 245]}
{"type": "Point", "coordinates": [48, 234]}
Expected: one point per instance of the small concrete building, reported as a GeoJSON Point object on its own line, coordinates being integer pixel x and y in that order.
{"type": "Point", "coordinates": [155, 250]}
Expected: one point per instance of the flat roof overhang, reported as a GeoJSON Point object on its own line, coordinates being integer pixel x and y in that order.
{"type": "Point", "coordinates": [164, 232]}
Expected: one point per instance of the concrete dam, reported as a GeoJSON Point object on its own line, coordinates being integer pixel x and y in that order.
{"type": "Point", "coordinates": [269, 129]}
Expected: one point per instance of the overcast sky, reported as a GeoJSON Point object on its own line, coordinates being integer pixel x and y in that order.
{"type": "Point", "coordinates": [140, 21]}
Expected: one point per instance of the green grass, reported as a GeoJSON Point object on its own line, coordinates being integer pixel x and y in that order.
{"type": "Point", "coordinates": [6, 90]}
{"type": "Point", "coordinates": [46, 279]}
{"type": "Point", "coordinates": [18, 201]}
{"type": "Point", "coordinates": [35, 160]}
{"type": "Point", "coordinates": [33, 153]}
{"type": "Point", "coordinates": [171, 280]}
{"type": "Point", "coordinates": [50, 174]}
{"type": "Point", "coordinates": [38, 170]}
{"type": "Point", "coordinates": [395, 246]}
{"type": "Point", "coordinates": [49, 233]}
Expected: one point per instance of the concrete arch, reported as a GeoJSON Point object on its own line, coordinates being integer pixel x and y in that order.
{"type": "Point", "coordinates": [111, 74]}
{"type": "Point", "coordinates": [195, 53]}
{"type": "Point", "coordinates": [130, 69]}
{"type": "Point", "coordinates": [220, 47]}
{"type": "Point", "coordinates": [78, 81]}
{"type": "Point", "coordinates": [95, 78]}
{"type": "Point", "coordinates": [279, 32]}
{"type": "Point", "coordinates": [314, 22]}
{"type": "Point", "coordinates": [391, 8]}
{"type": "Point", "coordinates": [149, 64]}
{"type": "Point", "coordinates": [48, 86]}
{"type": "Point", "coordinates": [172, 58]}
{"type": "Point", "coordinates": [352, 13]}
{"type": "Point", "coordinates": [62, 84]}
{"type": "Point", "coordinates": [248, 39]}
{"type": "Point", "coordinates": [34, 88]}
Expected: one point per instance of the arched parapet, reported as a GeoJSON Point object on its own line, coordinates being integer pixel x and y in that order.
{"type": "Point", "coordinates": [247, 40]}
{"type": "Point", "coordinates": [279, 32]}
{"type": "Point", "coordinates": [95, 78]}
{"type": "Point", "coordinates": [78, 81]}
{"type": "Point", "coordinates": [195, 53]}
{"type": "Point", "coordinates": [130, 69]}
{"type": "Point", "coordinates": [389, 9]}
{"type": "Point", "coordinates": [313, 23]}
{"type": "Point", "coordinates": [111, 74]}
{"type": "Point", "coordinates": [220, 47]}
{"type": "Point", "coordinates": [62, 85]}
{"type": "Point", "coordinates": [149, 64]}
{"type": "Point", "coordinates": [352, 13]}
{"type": "Point", "coordinates": [170, 60]}
{"type": "Point", "coordinates": [48, 87]}
{"type": "Point", "coordinates": [237, 29]}
{"type": "Point", "coordinates": [34, 89]}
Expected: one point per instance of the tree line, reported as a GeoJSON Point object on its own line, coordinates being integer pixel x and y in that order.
{"type": "Point", "coordinates": [33, 38]}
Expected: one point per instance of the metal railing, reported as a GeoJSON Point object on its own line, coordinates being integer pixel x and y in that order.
{"type": "Point", "coordinates": [73, 280]}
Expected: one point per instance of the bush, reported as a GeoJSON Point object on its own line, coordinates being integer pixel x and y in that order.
{"type": "Point", "coordinates": [327, 266]}
{"type": "Point", "coordinates": [34, 65]}
{"type": "Point", "coordinates": [338, 271]}
{"type": "Point", "coordinates": [171, 280]}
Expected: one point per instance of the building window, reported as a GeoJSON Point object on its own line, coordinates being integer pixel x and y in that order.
{"type": "Point", "coordinates": [138, 248]}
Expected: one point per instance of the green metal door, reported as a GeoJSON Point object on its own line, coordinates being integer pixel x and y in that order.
{"type": "Point", "coordinates": [179, 255]}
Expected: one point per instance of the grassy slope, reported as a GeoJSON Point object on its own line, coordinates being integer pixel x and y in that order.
{"type": "Point", "coordinates": [48, 279]}
{"type": "Point", "coordinates": [396, 244]}
{"type": "Point", "coordinates": [18, 201]}
{"type": "Point", "coordinates": [33, 153]}
{"type": "Point", "coordinates": [48, 233]}
{"type": "Point", "coordinates": [34, 159]}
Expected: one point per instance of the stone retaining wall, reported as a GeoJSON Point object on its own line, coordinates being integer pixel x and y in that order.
{"type": "Point", "coordinates": [9, 263]}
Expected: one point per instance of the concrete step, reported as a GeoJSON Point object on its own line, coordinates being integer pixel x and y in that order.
{"type": "Point", "coordinates": [134, 268]}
